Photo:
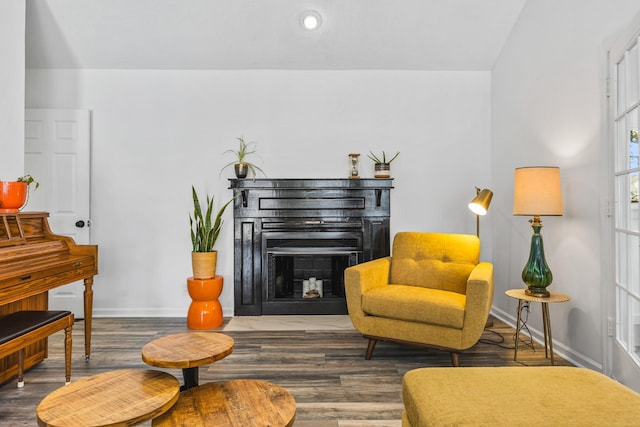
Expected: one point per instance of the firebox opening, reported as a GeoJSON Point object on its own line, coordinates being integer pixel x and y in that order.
{"type": "Point", "coordinates": [308, 276]}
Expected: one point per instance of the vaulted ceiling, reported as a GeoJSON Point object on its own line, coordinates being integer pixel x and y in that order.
{"type": "Point", "coordinates": [267, 34]}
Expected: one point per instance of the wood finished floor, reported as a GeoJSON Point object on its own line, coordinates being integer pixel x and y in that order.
{"type": "Point", "coordinates": [324, 370]}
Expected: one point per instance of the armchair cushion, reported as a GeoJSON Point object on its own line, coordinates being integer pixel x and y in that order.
{"type": "Point", "coordinates": [416, 304]}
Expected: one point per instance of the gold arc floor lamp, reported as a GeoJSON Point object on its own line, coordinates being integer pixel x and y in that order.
{"type": "Point", "coordinates": [537, 192]}
{"type": "Point", "coordinates": [480, 205]}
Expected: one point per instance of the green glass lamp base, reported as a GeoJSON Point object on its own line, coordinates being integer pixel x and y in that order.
{"type": "Point", "coordinates": [536, 273]}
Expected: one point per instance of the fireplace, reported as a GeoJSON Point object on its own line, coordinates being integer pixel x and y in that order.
{"type": "Point", "coordinates": [295, 237]}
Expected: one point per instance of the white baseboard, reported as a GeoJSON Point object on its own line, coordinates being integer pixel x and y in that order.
{"type": "Point", "coordinates": [150, 312]}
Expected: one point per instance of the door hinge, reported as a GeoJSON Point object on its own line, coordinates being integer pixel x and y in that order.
{"type": "Point", "coordinates": [610, 326]}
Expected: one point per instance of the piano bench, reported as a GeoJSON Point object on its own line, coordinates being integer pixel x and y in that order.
{"type": "Point", "coordinates": [23, 328]}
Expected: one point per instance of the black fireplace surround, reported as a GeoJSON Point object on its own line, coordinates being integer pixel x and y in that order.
{"type": "Point", "coordinates": [290, 232]}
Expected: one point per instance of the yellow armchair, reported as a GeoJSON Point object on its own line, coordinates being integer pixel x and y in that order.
{"type": "Point", "coordinates": [432, 291]}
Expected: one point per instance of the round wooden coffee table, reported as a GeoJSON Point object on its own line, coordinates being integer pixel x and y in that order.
{"type": "Point", "coordinates": [124, 397]}
{"type": "Point", "coordinates": [234, 403]}
{"type": "Point", "coordinates": [187, 351]}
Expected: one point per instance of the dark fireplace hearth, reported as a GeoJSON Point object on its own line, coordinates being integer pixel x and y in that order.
{"type": "Point", "coordinates": [295, 237]}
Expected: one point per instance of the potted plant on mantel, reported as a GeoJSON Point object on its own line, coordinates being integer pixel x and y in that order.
{"type": "Point", "coordinates": [14, 194]}
{"type": "Point", "coordinates": [241, 165]}
{"type": "Point", "coordinates": [381, 164]}
{"type": "Point", "coordinates": [204, 233]}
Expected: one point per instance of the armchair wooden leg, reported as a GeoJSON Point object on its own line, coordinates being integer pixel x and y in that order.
{"type": "Point", "coordinates": [370, 348]}
{"type": "Point", "coordinates": [455, 359]}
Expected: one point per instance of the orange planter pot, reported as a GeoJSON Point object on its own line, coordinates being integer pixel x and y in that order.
{"type": "Point", "coordinates": [205, 311]}
{"type": "Point", "coordinates": [13, 195]}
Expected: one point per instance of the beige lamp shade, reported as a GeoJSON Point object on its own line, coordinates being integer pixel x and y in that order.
{"type": "Point", "coordinates": [537, 191]}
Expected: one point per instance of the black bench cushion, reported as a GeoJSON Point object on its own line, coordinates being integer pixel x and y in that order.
{"type": "Point", "coordinates": [21, 322]}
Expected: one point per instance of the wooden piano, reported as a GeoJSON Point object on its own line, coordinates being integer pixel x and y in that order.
{"type": "Point", "coordinates": [32, 261]}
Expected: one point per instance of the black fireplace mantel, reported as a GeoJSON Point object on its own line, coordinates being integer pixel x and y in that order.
{"type": "Point", "coordinates": [317, 224]}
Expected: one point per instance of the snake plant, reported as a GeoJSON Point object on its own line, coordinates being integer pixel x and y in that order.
{"type": "Point", "coordinates": [204, 231]}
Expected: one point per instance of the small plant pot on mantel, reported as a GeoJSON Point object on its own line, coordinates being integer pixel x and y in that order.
{"type": "Point", "coordinates": [382, 170]}
{"type": "Point", "coordinates": [241, 170]}
{"type": "Point", "coordinates": [204, 264]}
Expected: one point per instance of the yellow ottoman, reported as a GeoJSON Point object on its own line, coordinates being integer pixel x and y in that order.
{"type": "Point", "coordinates": [516, 396]}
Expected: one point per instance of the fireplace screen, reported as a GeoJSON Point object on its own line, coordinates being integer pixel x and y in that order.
{"type": "Point", "coordinates": [308, 267]}
{"type": "Point", "coordinates": [309, 275]}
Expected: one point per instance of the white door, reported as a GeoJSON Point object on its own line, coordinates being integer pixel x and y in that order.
{"type": "Point", "coordinates": [57, 155]}
{"type": "Point", "coordinates": [624, 345]}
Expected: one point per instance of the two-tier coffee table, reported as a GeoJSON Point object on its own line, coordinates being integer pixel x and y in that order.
{"type": "Point", "coordinates": [234, 403]}
{"type": "Point", "coordinates": [124, 397]}
{"type": "Point", "coordinates": [187, 351]}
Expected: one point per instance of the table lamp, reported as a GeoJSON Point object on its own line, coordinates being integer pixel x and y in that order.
{"type": "Point", "coordinates": [537, 192]}
{"type": "Point", "coordinates": [480, 204]}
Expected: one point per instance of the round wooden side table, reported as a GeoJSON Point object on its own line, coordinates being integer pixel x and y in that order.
{"type": "Point", "coordinates": [234, 403]}
{"type": "Point", "coordinates": [205, 311]}
{"type": "Point", "coordinates": [187, 351]}
{"type": "Point", "coordinates": [124, 397]}
{"type": "Point", "coordinates": [522, 296]}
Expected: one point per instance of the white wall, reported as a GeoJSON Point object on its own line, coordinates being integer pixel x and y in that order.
{"type": "Point", "coordinates": [548, 108]}
{"type": "Point", "coordinates": [12, 27]}
{"type": "Point", "coordinates": [155, 133]}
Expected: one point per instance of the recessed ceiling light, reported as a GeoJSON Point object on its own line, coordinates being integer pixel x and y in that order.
{"type": "Point", "coordinates": [311, 20]}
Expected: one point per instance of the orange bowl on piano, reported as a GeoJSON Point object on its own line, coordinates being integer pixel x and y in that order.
{"type": "Point", "coordinates": [13, 196]}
